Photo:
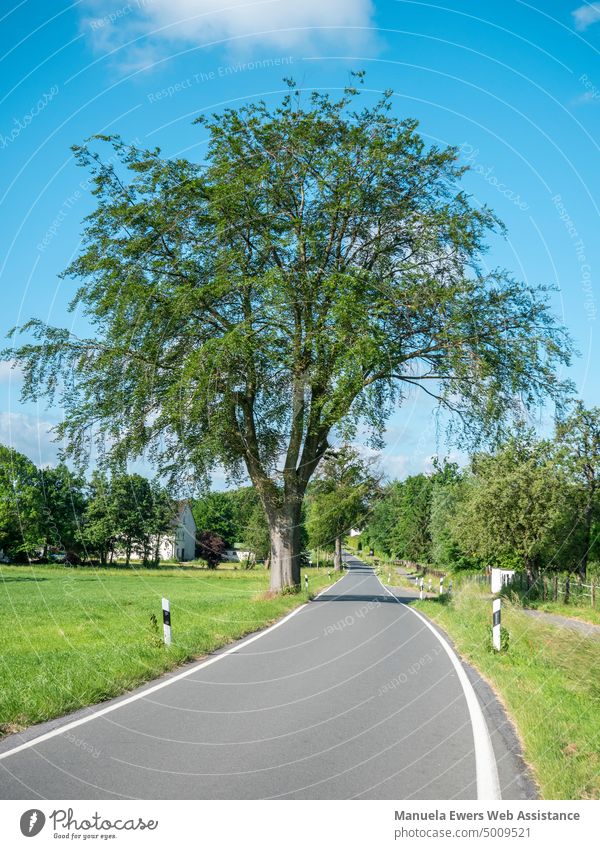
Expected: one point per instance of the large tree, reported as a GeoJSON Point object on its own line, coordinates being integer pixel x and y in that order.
{"type": "Point", "coordinates": [318, 264]}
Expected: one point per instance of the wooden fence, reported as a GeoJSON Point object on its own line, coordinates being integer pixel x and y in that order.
{"type": "Point", "coordinates": [564, 588]}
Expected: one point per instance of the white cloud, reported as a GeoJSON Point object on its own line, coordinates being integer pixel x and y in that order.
{"type": "Point", "coordinates": [586, 15]}
{"type": "Point", "coordinates": [29, 435]}
{"type": "Point", "coordinates": [270, 24]}
{"type": "Point", "coordinates": [9, 372]}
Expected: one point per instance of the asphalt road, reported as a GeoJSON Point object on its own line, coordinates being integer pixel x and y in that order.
{"type": "Point", "coordinates": [352, 696]}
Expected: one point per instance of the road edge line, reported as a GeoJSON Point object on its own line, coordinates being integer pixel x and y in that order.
{"type": "Point", "coordinates": [95, 714]}
{"type": "Point", "coordinates": [486, 768]}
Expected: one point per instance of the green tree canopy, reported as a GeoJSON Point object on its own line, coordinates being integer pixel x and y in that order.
{"type": "Point", "coordinates": [579, 436]}
{"type": "Point", "coordinates": [21, 505]}
{"type": "Point", "coordinates": [321, 262]}
{"type": "Point", "coordinates": [513, 505]}
{"type": "Point", "coordinates": [63, 506]}
{"type": "Point", "coordinates": [215, 512]}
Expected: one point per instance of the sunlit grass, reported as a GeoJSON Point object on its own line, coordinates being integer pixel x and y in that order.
{"type": "Point", "coordinates": [72, 637]}
{"type": "Point", "coordinates": [549, 680]}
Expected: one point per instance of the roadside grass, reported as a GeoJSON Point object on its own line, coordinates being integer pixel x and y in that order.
{"type": "Point", "coordinates": [73, 637]}
{"type": "Point", "coordinates": [549, 681]}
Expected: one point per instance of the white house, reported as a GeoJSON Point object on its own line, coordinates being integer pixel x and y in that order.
{"type": "Point", "coordinates": [181, 544]}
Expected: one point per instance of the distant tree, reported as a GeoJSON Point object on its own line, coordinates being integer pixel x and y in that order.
{"type": "Point", "coordinates": [131, 497]}
{"type": "Point", "coordinates": [161, 519]}
{"type": "Point", "coordinates": [126, 513]}
{"type": "Point", "coordinates": [210, 547]}
{"type": "Point", "coordinates": [99, 528]}
{"type": "Point", "coordinates": [63, 509]}
{"type": "Point", "coordinates": [339, 499]}
{"type": "Point", "coordinates": [255, 535]}
{"type": "Point", "coordinates": [319, 264]}
{"type": "Point", "coordinates": [448, 486]}
{"type": "Point", "coordinates": [22, 528]}
{"type": "Point", "coordinates": [410, 536]}
{"type": "Point", "coordinates": [579, 435]}
{"type": "Point", "coordinates": [215, 512]}
{"type": "Point", "coordinates": [513, 504]}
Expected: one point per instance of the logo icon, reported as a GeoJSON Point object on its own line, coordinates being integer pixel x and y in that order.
{"type": "Point", "coordinates": [32, 822]}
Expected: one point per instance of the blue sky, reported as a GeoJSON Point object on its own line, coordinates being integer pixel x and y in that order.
{"type": "Point", "coordinates": [516, 85]}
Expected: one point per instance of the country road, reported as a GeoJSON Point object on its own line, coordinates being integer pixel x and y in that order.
{"type": "Point", "coordinates": [353, 695]}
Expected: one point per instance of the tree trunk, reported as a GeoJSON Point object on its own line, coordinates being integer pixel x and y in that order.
{"type": "Point", "coordinates": [337, 557]}
{"type": "Point", "coordinates": [284, 530]}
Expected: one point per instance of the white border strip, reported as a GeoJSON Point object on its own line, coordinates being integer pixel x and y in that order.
{"type": "Point", "coordinates": [486, 769]}
{"type": "Point", "coordinates": [146, 692]}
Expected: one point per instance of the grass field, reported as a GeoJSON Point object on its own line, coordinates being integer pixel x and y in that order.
{"type": "Point", "coordinates": [72, 637]}
{"type": "Point", "coordinates": [549, 680]}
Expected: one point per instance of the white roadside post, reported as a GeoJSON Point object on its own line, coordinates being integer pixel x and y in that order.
{"type": "Point", "coordinates": [421, 593]}
{"type": "Point", "coordinates": [496, 626]}
{"type": "Point", "coordinates": [306, 582]}
{"type": "Point", "coordinates": [442, 585]}
{"type": "Point", "coordinates": [166, 609]}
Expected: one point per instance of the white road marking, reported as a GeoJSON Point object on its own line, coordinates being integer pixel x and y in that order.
{"type": "Point", "coordinates": [141, 695]}
{"type": "Point", "coordinates": [486, 769]}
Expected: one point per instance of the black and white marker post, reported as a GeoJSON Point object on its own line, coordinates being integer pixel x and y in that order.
{"type": "Point", "coordinates": [496, 626]}
{"type": "Point", "coordinates": [421, 593]}
{"type": "Point", "coordinates": [442, 585]}
{"type": "Point", "coordinates": [166, 609]}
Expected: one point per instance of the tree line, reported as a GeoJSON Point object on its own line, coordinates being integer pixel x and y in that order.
{"type": "Point", "coordinates": [49, 511]}
{"type": "Point", "coordinates": [532, 504]}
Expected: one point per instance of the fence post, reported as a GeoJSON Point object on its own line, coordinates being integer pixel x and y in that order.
{"type": "Point", "coordinates": [166, 609]}
{"type": "Point", "coordinates": [593, 592]}
{"type": "Point", "coordinates": [567, 589]}
{"type": "Point", "coordinates": [496, 626]}
{"type": "Point", "coordinates": [555, 591]}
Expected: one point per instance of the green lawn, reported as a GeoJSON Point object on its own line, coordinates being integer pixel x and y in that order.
{"type": "Point", "coordinates": [549, 680]}
{"type": "Point", "coordinates": [76, 636]}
